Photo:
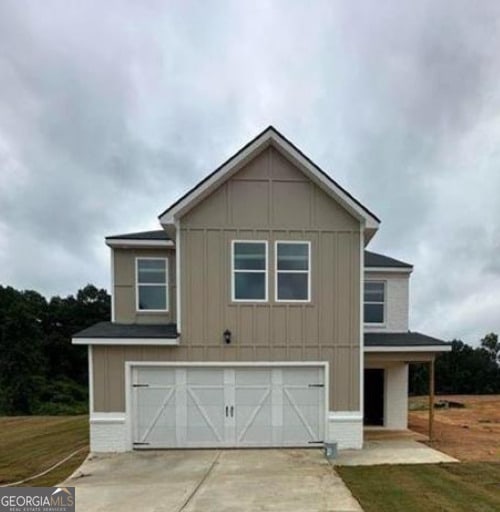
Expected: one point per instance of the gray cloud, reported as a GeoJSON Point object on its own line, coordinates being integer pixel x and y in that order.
{"type": "Point", "coordinates": [110, 112]}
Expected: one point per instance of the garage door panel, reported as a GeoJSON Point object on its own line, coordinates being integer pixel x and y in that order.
{"type": "Point", "coordinates": [302, 375]}
{"type": "Point", "coordinates": [252, 376]}
{"type": "Point", "coordinates": [155, 376]}
{"type": "Point", "coordinates": [155, 417]}
{"type": "Point", "coordinates": [205, 376]}
{"type": "Point", "coordinates": [227, 406]}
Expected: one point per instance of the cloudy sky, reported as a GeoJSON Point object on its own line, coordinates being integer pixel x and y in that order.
{"type": "Point", "coordinates": [110, 110]}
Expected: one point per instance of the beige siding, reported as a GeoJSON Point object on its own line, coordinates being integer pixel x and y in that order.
{"type": "Point", "coordinates": [125, 290]}
{"type": "Point", "coordinates": [269, 199]}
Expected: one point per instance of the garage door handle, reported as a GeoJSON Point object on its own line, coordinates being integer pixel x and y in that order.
{"type": "Point", "coordinates": [227, 411]}
{"type": "Point", "coordinates": [232, 411]}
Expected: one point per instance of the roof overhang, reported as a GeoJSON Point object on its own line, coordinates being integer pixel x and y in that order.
{"type": "Point", "coordinates": [271, 137]}
{"type": "Point", "coordinates": [421, 348]}
{"type": "Point", "coordinates": [393, 270]}
{"type": "Point", "coordinates": [139, 244]}
{"type": "Point", "coordinates": [125, 341]}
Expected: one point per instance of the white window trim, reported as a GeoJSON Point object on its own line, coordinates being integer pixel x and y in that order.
{"type": "Point", "coordinates": [309, 271]}
{"type": "Point", "coordinates": [384, 304]}
{"type": "Point", "coordinates": [137, 309]}
{"type": "Point", "coordinates": [265, 271]}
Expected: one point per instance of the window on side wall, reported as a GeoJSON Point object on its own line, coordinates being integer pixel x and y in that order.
{"type": "Point", "coordinates": [374, 302]}
{"type": "Point", "coordinates": [293, 272]}
{"type": "Point", "coordinates": [152, 284]}
{"type": "Point", "coordinates": [249, 271]}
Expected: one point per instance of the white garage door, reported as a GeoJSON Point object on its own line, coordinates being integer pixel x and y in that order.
{"type": "Point", "coordinates": [199, 406]}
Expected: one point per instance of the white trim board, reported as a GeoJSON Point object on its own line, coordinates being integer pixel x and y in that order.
{"type": "Point", "coordinates": [112, 278]}
{"type": "Point", "coordinates": [90, 362]}
{"type": "Point", "coordinates": [147, 244]}
{"type": "Point", "coordinates": [107, 417]}
{"type": "Point", "coordinates": [395, 270]}
{"type": "Point", "coordinates": [406, 348]}
{"type": "Point", "coordinates": [266, 138]}
{"type": "Point", "coordinates": [226, 363]}
{"type": "Point", "coordinates": [361, 321]}
{"type": "Point", "coordinates": [125, 341]}
{"type": "Point", "coordinates": [339, 416]}
{"type": "Point", "coordinates": [178, 303]}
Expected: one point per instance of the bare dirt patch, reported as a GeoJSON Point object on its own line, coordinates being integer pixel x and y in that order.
{"type": "Point", "coordinates": [468, 434]}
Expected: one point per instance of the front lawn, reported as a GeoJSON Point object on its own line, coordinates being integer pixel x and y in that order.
{"type": "Point", "coordinates": [467, 487]}
{"type": "Point", "coordinates": [31, 444]}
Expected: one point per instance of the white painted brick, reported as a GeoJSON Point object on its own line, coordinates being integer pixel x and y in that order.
{"type": "Point", "coordinates": [346, 429]}
{"type": "Point", "coordinates": [396, 302]}
{"type": "Point", "coordinates": [396, 397]}
{"type": "Point", "coordinates": [108, 433]}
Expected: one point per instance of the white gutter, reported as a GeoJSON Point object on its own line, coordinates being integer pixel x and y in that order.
{"type": "Point", "coordinates": [406, 348]}
{"type": "Point", "coordinates": [123, 242]}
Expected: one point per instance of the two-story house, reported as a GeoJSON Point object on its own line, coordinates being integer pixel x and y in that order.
{"type": "Point", "coordinates": [253, 317]}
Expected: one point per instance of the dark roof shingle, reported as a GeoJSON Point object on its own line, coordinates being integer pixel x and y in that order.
{"type": "Point", "coordinates": [114, 330]}
{"type": "Point", "coordinates": [158, 234]}
{"type": "Point", "coordinates": [401, 339]}
{"type": "Point", "coordinates": [373, 259]}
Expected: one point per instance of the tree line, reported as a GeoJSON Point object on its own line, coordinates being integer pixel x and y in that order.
{"type": "Point", "coordinates": [41, 372]}
{"type": "Point", "coordinates": [464, 370]}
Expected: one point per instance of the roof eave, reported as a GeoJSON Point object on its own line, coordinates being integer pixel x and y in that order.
{"type": "Point", "coordinates": [125, 341]}
{"type": "Point", "coordinates": [139, 244]}
{"type": "Point", "coordinates": [407, 348]}
{"type": "Point", "coordinates": [401, 270]}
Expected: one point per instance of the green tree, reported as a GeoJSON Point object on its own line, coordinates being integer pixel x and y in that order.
{"type": "Point", "coordinates": [491, 344]}
{"type": "Point", "coordinates": [22, 359]}
{"type": "Point", "coordinates": [40, 370]}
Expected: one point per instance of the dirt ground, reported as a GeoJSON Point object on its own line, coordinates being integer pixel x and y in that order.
{"type": "Point", "coordinates": [468, 434]}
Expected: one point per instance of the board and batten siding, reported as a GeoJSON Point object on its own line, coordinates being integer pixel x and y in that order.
{"type": "Point", "coordinates": [268, 199]}
{"type": "Point", "coordinates": [125, 286]}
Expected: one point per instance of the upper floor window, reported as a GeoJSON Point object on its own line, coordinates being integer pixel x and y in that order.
{"type": "Point", "coordinates": [151, 284]}
{"type": "Point", "coordinates": [249, 271]}
{"type": "Point", "coordinates": [374, 302]}
{"type": "Point", "coordinates": [293, 271]}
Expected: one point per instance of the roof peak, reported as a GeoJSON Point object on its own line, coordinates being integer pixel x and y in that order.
{"type": "Point", "coordinates": [269, 135]}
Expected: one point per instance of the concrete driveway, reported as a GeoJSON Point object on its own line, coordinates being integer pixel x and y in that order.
{"type": "Point", "coordinates": [211, 480]}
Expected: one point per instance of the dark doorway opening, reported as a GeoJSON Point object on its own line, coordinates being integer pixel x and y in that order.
{"type": "Point", "coordinates": [374, 397]}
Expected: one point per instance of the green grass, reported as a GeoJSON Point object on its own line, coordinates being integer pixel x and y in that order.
{"type": "Point", "coordinates": [467, 487]}
{"type": "Point", "coordinates": [31, 444]}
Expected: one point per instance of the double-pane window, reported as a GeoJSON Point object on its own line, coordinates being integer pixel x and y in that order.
{"type": "Point", "coordinates": [249, 280]}
{"type": "Point", "coordinates": [151, 276]}
{"type": "Point", "coordinates": [374, 302]}
{"type": "Point", "coordinates": [292, 271]}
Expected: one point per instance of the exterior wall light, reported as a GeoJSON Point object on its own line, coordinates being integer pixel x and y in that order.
{"type": "Point", "coordinates": [227, 336]}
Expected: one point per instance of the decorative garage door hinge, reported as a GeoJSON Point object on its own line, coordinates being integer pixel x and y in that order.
{"type": "Point", "coordinates": [316, 385]}
{"type": "Point", "coordinates": [140, 385]}
{"type": "Point", "coordinates": [140, 444]}
{"type": "Point", "coordinates": [315, 442]}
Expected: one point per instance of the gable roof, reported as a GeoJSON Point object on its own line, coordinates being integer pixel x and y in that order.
{"type": "Point", "coordinates": [270, 136]}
